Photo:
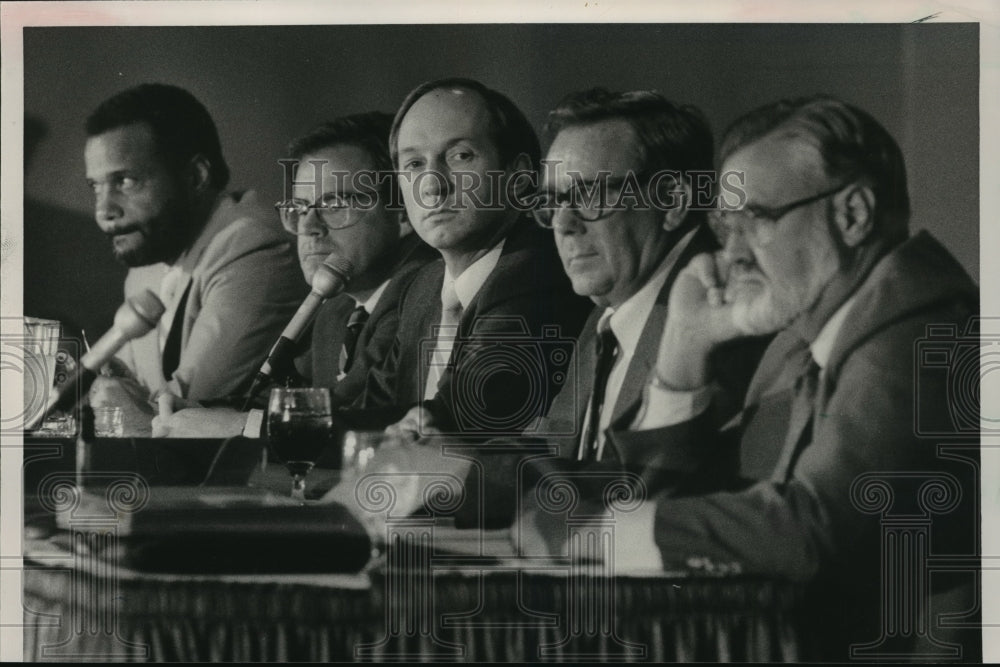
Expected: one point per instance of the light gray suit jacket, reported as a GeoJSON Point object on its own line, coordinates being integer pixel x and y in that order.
{"type": "Point", "coordinates": [244, 284]}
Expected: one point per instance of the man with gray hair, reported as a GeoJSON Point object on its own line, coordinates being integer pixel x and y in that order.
{"type": "Point", "coordinates": [841, 411]}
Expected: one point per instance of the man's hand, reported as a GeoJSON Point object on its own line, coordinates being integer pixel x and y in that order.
{"type": "Point", "coordinates": [698, 319]}
{"type": "Point", "coordinates": [199, 423]}
{"type": "Point", "coordinates": [416, 424]}
{"type": "Point", "coordinates": [409, 469]}
{"type": "Point", "coordinates": [539, 532]}
{"type": "Point", "coordinates": [131, 397]}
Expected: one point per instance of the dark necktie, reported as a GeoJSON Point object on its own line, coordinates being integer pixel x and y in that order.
{"type": "Point", "coordinates": [800, 417]}
{"type": "Point", "coordinates": [607, 352]}
{"type": "Point", "coordinates": [172, 348]}
{"type": "Point", "coordinates": [355, 323]}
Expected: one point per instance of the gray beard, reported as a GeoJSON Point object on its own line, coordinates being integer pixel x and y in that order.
{"type": "Point", "coordinates": [763, 314]}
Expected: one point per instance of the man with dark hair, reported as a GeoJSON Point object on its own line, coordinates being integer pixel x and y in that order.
{"type": "Point", "coordinates": [342, 202]}
{"type": "Point", "coordinates": [353, 154]}
{"type": "Point", "coordinates": [842, 413]}
{"type": "Point", "coordinates": [618, 191]}
{"type": "Point", "coordinates": [218, 260]}
{"type": "Point", "coordinates": [466, 156]}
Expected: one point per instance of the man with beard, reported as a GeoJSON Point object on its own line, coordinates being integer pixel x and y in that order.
{"type": "Point", "coordinates": [219, 261]}
{"type": "Point", "coordinates": [819, 251]}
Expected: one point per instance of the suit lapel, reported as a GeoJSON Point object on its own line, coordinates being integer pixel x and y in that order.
{"type": "Point", "coordinates": [765, 423]}
{"type": "Point", "coordinates": [767, 419]}
{"type": "Point", "coordinates": [328, 337]}
{"type": "Point", "coordinates": [415, 363]}
{"type": "Point", "coordinates": [146, 349]}
{"type": "Point", "coordinates": [631, 394]}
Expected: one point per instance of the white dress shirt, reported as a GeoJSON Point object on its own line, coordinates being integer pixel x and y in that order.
{"type": "Point", "coordinates": [627, 322]}
{"type": "Point", "coordinates": [464, 287]}
{"type": "Point", "coordinates": [372, 301]}
{"type": "Point", "coordinates": [470, 281]}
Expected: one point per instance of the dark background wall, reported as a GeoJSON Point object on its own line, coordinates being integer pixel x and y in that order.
{"type": "Point", "coordinates": [265, 85]}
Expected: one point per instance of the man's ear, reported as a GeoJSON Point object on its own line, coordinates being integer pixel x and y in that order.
{"type": "Point", "coordinates": [676, 195]}
{"type": "Point", "coordinates": [404, 223]}
{"type": "Point", "coordinates": [199, 173]}
{"type": "Point", "coordinates": [525, 178]}
{"type": "Point", "coordinates": [854, 214]}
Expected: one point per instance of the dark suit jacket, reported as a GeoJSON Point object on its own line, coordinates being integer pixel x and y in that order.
{"type": "Point", "coordinates": [503, 372]}
{"type": "Point", "coordinates": [681, 469]}
{"type": "Point", "coordinates": [803, 520]}
{"type": "Point", "coordinates": [376, 337]}
{"type": "Point", "coordinates": [570, 406]}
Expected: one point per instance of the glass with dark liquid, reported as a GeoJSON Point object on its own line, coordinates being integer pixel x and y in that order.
{"type": "Point", "coordinates": [299, 429]}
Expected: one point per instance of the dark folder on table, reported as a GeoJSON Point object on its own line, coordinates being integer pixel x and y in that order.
{"type": "Point", "coordinates": [189, 530]}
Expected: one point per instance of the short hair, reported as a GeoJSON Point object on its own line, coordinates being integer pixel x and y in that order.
{"type": "Point", "coordinates": [510, 130]}
{"type": "Point", "coordinates": [851, 143]}
{"type": "Point", "coordinates": [181, 126]}
{"type": "Point", "coordinates": [368, 131]}
{"type": "Point", "coordinates": [671, 137]}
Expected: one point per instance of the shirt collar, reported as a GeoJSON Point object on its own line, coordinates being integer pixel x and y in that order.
{"type": "Point", "coordinates": [629, 319]}
{"type": "Point", "coordinates": [822, 345]}
{"type": "Point", "coordinates": [470, 281]}
{"type": "Point", "coordinates": [372, 301]}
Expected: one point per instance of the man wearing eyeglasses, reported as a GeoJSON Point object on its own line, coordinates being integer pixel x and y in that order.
{"type": "Point", "coordinates": [342, 201]}
{"type": "Point", "coordinates": [618, 192]}
{"type": "Point", "coordinates": [218, 260]}
{"type": "Point", "coordinates": [837, 415]}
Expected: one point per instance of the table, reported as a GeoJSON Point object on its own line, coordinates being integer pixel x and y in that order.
{"type": "Point", "coordinates": [469, 615]}
{"type": "Point", "coordinates": [430, 596]}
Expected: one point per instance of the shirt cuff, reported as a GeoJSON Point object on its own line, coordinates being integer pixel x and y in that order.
{"type": "Point", "coordinates": [254, 425]}
{"type": "Point", "coordinates": [665, 407]}
{"type": "Point", "coordinates": [635, 545]}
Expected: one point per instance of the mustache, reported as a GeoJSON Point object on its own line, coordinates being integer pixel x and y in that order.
{"type": "Point", "coordinates": [118, 231]}
{"type": "Point", "coordinates": [740, 269]}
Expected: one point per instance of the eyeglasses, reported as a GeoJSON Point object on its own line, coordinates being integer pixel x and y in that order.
{"type": "Point", "coordinates": [589, 202]}
{"type": "Point", "coordinates": [759, 222]}
{"type": "Point", "coordinates": [333, 210]}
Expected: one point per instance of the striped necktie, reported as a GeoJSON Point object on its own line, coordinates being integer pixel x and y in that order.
{"type": "Point", "coordinates": [355, 323]}
{"type": "Point", "coordinates": [447, 331]}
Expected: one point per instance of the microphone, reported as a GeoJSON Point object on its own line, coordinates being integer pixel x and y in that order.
{"type": "Point", "coordinates": [136, 317]}
{"type": "Point", "coordinates": [330, 279]}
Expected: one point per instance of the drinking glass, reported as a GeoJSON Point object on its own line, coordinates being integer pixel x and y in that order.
{"type": "Point", "coordinates": [359, 450]}
{"type": "Point", "coordinates": [41, 351]}
{"type": "Point", "coordinates": [299, 428]}
{"type": "Point", "coordinates": [109, 422]}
